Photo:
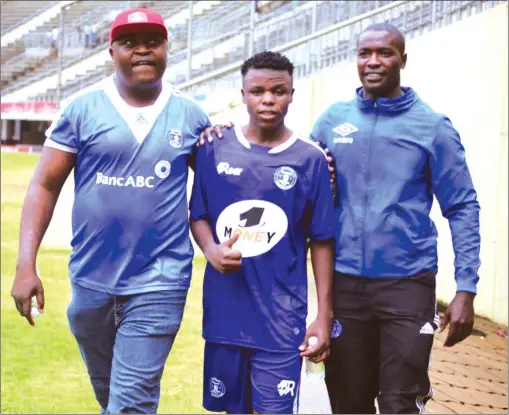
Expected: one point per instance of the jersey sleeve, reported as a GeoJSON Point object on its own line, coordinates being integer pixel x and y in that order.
{"type": "Point", "coordinates": [198, 204]}
{"type": "Point", "coordinates": [202, 121]}
{"type": "Point", "coordinates": [321, 209]}
{"type": "Point", "coordinates": [62, 133]}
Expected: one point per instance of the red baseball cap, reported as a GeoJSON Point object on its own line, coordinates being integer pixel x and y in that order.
{"type": "Point", "coordinates": [137, 20]}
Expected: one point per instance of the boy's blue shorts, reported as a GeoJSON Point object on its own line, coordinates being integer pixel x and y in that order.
{"type": "Point", "coordinates": [239, 380]}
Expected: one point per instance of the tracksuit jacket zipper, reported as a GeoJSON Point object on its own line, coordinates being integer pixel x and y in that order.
{"type": "Point", "coordinates": [363, 243]}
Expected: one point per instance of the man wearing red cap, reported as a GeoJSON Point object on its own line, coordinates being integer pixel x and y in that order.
{"type": "Point", "coordinates": [134, 20]}
{"type": "Point", "coordinates": [129, 141]}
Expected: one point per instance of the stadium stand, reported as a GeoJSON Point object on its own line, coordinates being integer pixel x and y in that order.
{"type": "Point", "coordinates": [78, 47]}
{"type": "Point", "coordinates": [334, 43]}
{"type": "Point", "coordinates": [86, 22]}
{"type": "Point", "coordinates": [220, 37]}
{"type": "Point", "coordinates": [13, 15]}
{"type": "Point", "coordinates": [213, 46]}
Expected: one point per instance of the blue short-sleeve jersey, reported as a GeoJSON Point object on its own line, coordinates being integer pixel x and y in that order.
{"type": "Point", "coordinates": [130, 213]}
{"type": "Point", "coordinates": [275, 199]}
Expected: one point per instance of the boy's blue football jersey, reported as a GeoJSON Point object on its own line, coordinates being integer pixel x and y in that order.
{"type": "Point", "coordinates": [130, 213]}
{"type": "Point", "coordinates": [274, 198]}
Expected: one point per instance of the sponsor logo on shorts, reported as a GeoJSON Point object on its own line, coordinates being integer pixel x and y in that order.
{"type": "Point", "coordinates": [336, 329]}
{"type": "Point", "coordinates": [286, 387]}
{"type": "Point", "coordinates": [217, 388]}
{"type": "Point", "coordinates": [259, 224]}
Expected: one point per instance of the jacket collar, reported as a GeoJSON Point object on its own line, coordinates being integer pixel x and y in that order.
{"type": "Point", "coordinates": [399, 104]}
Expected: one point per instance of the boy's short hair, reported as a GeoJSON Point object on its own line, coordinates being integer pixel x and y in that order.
{"type": "Point", "coordinates": [267, 60]}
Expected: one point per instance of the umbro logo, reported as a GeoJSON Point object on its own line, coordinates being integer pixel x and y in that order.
{"type": "Point", "coordinates": [343, 140]}
{"type": "Point", "coordinates": [427, 329]}
{"type": "Point", "coordinates": [343, 130]}
{"type": "Point", "coordinates": [225, 168]}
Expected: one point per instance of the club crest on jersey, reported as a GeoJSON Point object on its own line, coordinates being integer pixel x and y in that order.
{"type": "Point", "coordinates": [175, 138]}
{"type": "Point", "coordinates": [285, 177]}
{"type": "Point", "coordinates": [336, 330]}
{"type": "Point", "coordinates": [217, 388]}
{"type": "Point", "coordinates": [259, 224]}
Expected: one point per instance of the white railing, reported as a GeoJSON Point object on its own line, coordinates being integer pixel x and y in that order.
{"type": "Point", "coordinates": [336, 43]}
{"type": "Point", "coordinates": [309, 53]}
{"type": "Point", "coordinates": [294, 44]}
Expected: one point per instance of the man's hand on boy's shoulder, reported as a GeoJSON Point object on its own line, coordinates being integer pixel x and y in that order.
{"type": "Point", "coordinates": [206, 134]}
{"type": "Point", "coordinates": [330, 160]}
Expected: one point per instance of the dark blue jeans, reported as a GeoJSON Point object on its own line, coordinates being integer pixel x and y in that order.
{"type": "Point", "coordinates": [125, 341]}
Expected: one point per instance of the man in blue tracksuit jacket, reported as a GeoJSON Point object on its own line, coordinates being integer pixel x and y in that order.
{"type": "Point", "coordinates": [392, 153]}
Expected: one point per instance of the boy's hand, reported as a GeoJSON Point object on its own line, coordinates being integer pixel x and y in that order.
{"type": "Point", "coordinates": [223, 258]}
{"type": "Point", "coordinates": [320, 328]}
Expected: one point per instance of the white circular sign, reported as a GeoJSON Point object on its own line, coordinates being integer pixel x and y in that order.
{"type": "Point", "coordinates": [260, 225]}
{"type": "Point", "coordinates": [162, 169]}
